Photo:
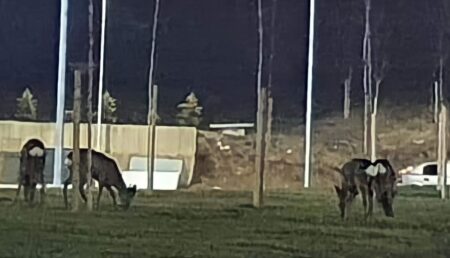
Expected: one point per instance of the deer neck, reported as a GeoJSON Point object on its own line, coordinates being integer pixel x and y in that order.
{"type": "Point", "coordinates": [120, 186]}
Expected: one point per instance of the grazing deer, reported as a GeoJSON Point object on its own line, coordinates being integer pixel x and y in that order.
{"type": "Point", "coordinates": [31, 171]}
{"type": "Point", "coordinates": [106, 172]}
{"type": "Point", "coordinates": [369, 178]}
{"type": "Point", "coordinates": [385, 186]}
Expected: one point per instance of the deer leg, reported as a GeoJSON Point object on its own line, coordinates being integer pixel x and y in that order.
{"type": "Point", "coordinates": [66, 184]}
{"type": "Point", "coordinates": [82, 193]}
{"type": "Point", "coordinates": [342, 204]}
{"type": "Point", "coordinates": [364, 198]}
{"type": "Point", "coordinates": [369, 212]}
{"type": "Point", "coordinates": [100, 190]}
{"type": "Point", "coordinates": [26, 191]}
{"type": "Point", "coordinates": [32, 192]}
{"type": "Point", "coordinates": [42, 192]}
{"type": "Point", "coordinates": [348, 203]}
{"type": "Point", "coordinates": [113, 195]}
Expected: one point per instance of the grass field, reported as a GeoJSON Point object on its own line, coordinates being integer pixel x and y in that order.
{"type": "Point", "coordinates": [223, 224]}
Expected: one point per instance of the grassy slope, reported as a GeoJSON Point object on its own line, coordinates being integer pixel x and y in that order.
{"type": "Point", "coordinates": [221, 224]}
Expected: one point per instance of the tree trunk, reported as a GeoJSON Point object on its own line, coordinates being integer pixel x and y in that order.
{"type": "Point", "coordinates": [150, 134]}
{"type": "Point", "coordinates": [76, 141]}
{"type": "Point", "coordinates": [89, 103]}
{"type": "Point", "coordinates": [442, 151]}
{"type": "Point", "coordinates": [367, 76]}
{"type": "Point", "coordinates": [347, 93]}
{"type": "Point", "coordinates": [436, 102]}
{"type": "Point", "coordinates": [272, 47]}
{"type": "Point", "coordinates": [441, 81]}
{"type": "Point", "coordinates": [268, 136]}
{"type": "Point", "coordinates": [373, 123]}
{"type": "Point", "coordinates": [261, 96]}
{"type": "Point", "coordinates": [260, 151]}
{"type": "Point", "coordinates": [152, 59]}
{"type": "Point", "coordinates": [152, 138]}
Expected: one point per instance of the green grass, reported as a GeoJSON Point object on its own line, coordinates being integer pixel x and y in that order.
{"type": "Point", "coordinates": [223, 224]}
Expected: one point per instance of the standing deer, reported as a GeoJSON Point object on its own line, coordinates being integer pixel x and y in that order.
{"type": "Point", "coordinates": [31, 171]}
{"type": "Point", "coordinates": [106, 172]}
{"type": "Point", "coordinates": [369, 178]}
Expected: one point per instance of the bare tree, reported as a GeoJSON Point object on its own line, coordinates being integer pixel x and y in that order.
{"type": "Point", "coordinates": [378, 76]}
{"type": "Point", "coordinates": [268, 133]}
{"type": "Point", "coordinates": [89, 103]}
{"type": "Point", "coordinates": [440, 10]}
{"type": "Point", "coordinates": [76, 141]}
{"type": "Point", "coordinates": [442, 151]}
{"type": "Point", "coordinates": [378, 42]}
{"type": "Point", "coordinates": [367, 74]}
{"type": "Point", "coordinates": [151, 133]}
{"type": "Point", "coordinates": [347, 93]}
{"type": "Point", "coordinates": [343, 62]}
{"type": "Point", "coordinates": [261, 94]}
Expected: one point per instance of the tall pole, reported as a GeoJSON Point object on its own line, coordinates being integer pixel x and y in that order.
{"type": "Point", "coordinates": [150, 96]}
{"type": "Point", "coordinates": [309, 95]}
{"type": "Point", "coordinates": [101, 75]}
{"type": "Point", "coordinates": [59, 141]}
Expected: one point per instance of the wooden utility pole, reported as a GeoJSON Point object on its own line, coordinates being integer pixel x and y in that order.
{"type": "Point", "coordinates": [76, 141]}
{"type": "Point", "coordinates": [258, 193]}
{"type": "Point", "coordinates": [89, 103]}
{"type": "Point", "coordinates": [442, 150]}
{"type": "Point", "coordinates": [152, 138]}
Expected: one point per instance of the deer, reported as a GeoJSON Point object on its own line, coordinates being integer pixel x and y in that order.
{"type": "Point", "coordinates": [106, 172]}
{"type": "Point", "coordinates": [31, 170]}
{"type": "Point", "coordinates": [361, 175]}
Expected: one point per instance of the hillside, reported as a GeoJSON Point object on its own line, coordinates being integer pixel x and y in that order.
{"type": "Point", "coordinates": [403, 139]}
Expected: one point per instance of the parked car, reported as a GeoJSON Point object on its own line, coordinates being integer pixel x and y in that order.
{"type": "Point", "coordinates": [425, 174]}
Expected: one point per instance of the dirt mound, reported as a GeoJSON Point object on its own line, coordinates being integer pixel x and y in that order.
{"type": "Point", "coordinates": [227, 162]}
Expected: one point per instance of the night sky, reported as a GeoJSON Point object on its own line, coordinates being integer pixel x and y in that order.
{"type": "Point", "coordinates": [210, 47]}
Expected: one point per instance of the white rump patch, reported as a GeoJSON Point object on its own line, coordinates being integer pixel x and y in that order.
{"type": "Point", "coordinates": [68, 162]}
{"type": "Point", "coordinates": [36, 152]}
{"type": "Point", "coordinates": [375, 170]}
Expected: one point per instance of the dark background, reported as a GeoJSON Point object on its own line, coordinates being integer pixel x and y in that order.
{"type": "Point", "coordinates": [210, 47]}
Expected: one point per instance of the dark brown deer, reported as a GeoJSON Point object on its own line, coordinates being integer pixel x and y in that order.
{"type": "Point", "coordinates": [385, 186]}
{"type": "Point", "coordinates": [361, 175]}
{"type": "Point", "coordinates": [106, 172]}
{"type": "Point", "coordinates": [31, 171]}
